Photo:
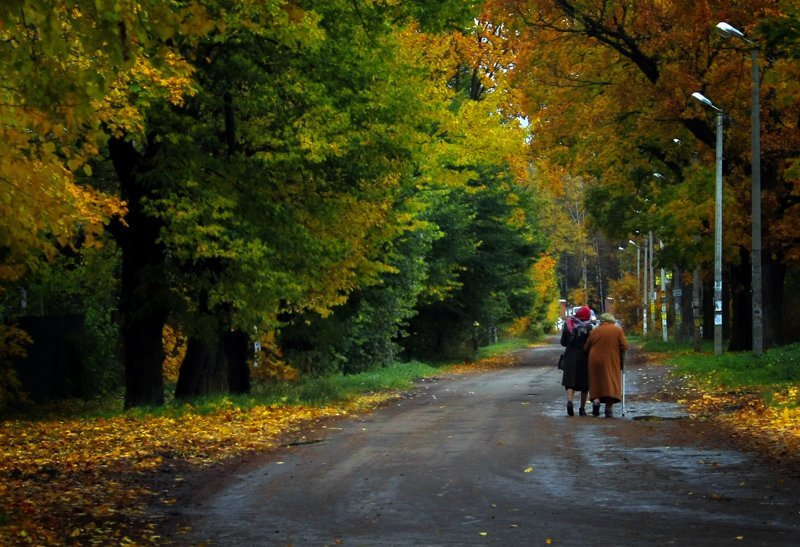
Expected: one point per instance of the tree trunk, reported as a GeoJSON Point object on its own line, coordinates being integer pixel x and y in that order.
{"type": "Point", "coordinates": [204, 369]}
{"type": "Point", "coordinates": [708, 309]}
{"type": "Point", "coordinates": [741, 299]}
{"type": "Point", "coordinates": [697, 308]}
{"type": "Point", "coordinates": [143, 290]}
{"type": "Point", "coordinates": [774, 279]}
{"type": "Point", "coordinates": [237, 351]}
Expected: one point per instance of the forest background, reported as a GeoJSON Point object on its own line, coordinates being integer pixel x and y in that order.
{"type": "Point", "coordinates": [206, 194]}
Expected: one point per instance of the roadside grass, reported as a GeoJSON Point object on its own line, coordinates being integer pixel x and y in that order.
{"type": "Point", "coordinates": [503, 347]}
{"type": "Point", "coordinates": [775, 375]}
{"type": "Point", "coordinates": [755, 400]}
{"type": "Point", "coordinates": [339, 388]}
{"type": "Point", "coordinates": [315, 391]}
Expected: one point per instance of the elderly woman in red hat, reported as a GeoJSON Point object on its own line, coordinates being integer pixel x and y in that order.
{"type": "Point", "coordinates": [576, 364]}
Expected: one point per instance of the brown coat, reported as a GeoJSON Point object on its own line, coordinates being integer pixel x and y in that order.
{"type": "Point", "coordinates": [604, 345]}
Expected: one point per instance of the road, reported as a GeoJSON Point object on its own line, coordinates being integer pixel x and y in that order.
{"type": "Point", "coordinates": [493, 459]}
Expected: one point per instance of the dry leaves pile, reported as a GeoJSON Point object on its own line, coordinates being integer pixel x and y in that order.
{"type": "Point", "coordinates": [91, 481]}
{"type": "Point", "coordinates": [774, 429]}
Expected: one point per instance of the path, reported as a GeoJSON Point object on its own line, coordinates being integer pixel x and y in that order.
{"type": "Point", "coordinates": [492, 459]}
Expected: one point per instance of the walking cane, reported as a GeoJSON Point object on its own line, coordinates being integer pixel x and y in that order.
{"type": "Point", "coordinates": [622, 366]}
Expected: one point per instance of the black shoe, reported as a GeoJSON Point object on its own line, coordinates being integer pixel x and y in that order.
{"type": "Point", "coordinates": [581, 411]}
{"type": "Point", "coordinates": [595, 409]}
{"type": "Point", "coordinates": [570, 410]}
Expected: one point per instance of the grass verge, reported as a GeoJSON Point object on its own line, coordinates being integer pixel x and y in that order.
{"type": "Point", "coordinates": [774, 376]}
{"type": "Point", "coordinates": [756, 400]}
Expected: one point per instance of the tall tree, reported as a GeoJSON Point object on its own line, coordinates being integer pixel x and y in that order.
{"type": "Point", "coordinates": [67, 69]}
{"type": "Point", "coordinates": [608, 86]}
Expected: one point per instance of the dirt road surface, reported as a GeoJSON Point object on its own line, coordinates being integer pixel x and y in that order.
{"type": "Point", "coordinates": [493, 459]}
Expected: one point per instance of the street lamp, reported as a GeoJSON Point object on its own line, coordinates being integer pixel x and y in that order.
{"type": "Point", "coordinates": [639, 283]}
{"type": "Point", "coordinates": [755, 140]}
{"type": "Point", "coordinates": [717, 228]}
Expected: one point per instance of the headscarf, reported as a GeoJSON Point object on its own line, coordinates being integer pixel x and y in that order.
{"type": "Point", "coordinates": [584, 313]}
{"type": "Point", "coordinates": [608, 318]}
{"type": "Point", "coordinates": [580, 317]}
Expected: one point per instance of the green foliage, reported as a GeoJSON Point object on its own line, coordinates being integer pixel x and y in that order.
{"type": "Point", "coordinates": [310, 166]}
{"type": "Point", "coordinates": [13, 342]}
{"type": "Point", "coordinates": [774, 371]}
{"type": "Point", "coordinates": [362, 334]}
{"type": "Point", "coordinates": [83, 285]}
{"type": "Point", "coordinates": [337, 388]}
{"type": "Point", "coordinates": [483, 262]}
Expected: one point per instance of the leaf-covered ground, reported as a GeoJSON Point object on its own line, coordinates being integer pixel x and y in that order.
{"type": "Point", "coordinates": [91, 481]}
{"type": "Point", "coordinates": [108, 481]}
{"type": "Point", "coordinates": [743, 413]}
{"type": "Point", "coordinates": [773, 429]}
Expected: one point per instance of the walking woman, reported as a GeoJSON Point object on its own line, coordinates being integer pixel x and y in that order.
{"type": "Point", "coordinates": [605, 346]}
{"type": "Point", "coordinates": [576, 372]}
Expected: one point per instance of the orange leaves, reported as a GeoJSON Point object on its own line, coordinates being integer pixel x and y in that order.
{"type": "Point", "coordinates": [771, 429]}
{"type": "Point", "coordinates": [88, 479]}
{"type": "Point", "coordinates": [70, 76]}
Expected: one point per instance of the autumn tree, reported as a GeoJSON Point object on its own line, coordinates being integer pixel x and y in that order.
{"type": "Point", "coordinates": [479, 270]}
{"type": "Point", "coordinates": [608, 86]}
{"type": "Point", "coordinates": [65, 69]}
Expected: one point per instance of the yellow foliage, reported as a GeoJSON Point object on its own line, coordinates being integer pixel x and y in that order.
{"type": "Point", "coordinates": [69, 84]}
{"type": "Point", "coordinates": [268, 364]}
{"type": "Point", "coordinates": [519, 327]}
{"type": "Point", "coordinates": [174, 352]}
{"type": "Point", "coordinates": [774, 429]}
{"type": "Point", "coordinates": [12, 344]}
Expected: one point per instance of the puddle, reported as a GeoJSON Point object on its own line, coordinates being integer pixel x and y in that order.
{"type": "Point", "coordinates": [634, 410]}
{"type": "Point", "coordinates": [654, 411]}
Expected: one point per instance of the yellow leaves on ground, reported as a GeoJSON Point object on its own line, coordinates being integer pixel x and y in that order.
{"type": "Point", "coordinates": [92, 479]}
{"type": "Point", "coordinates": [772, 429]}
{"type": "Point", "coordinates": [484, 365]}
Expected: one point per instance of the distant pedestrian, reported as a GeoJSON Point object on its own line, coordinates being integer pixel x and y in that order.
{"type": "Point", "coordinates": [605, 346]}
{"type": "Point", "coordinates": [575, 375]}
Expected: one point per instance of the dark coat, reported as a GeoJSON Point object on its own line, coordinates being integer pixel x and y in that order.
{"type": "Point", "coordinates": [605, 346]}
{"type": "Point", "coordinates": [576, 368]}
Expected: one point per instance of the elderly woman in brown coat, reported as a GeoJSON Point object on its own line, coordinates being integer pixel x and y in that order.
{"type": "Point", "coordinates": [605, 346]}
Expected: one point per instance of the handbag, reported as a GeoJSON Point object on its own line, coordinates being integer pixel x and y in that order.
{"type": "Point", "coordinates": [561, 362]}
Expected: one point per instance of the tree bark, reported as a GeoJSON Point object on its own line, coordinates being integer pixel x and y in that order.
{"type": "Point", "coordinates": [697, 309]}
{"type": "Point", "coordinates": [741, 322]}
{"type": "Point", "coordinates": [204, 369]}
{"type": "Point", "coordinates": [775, 328]}
{"type": "Point", "coordinates": [237, 351]}
{"type": "Point", "coordinates": [143, 291]}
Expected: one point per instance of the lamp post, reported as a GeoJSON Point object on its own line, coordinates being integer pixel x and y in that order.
{"type": "Point", "coordinates": [651, 287]}
{"type": "Point", "coordinates": [755, 140]}
{"type": "Point", "coordinates": [638, 272]}
{"type": "Point", "coordinates": [717, 228]}
{"type": "Point", "coordinates": [638, 258]}
{"type": "Point", "coordinates": [645, 291]}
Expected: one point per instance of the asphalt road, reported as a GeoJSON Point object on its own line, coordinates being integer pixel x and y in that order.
{"type": "Point", "coordinates": [492, 459]}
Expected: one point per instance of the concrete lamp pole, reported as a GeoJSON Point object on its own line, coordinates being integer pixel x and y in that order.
{"type": "Point", "coordinates": [717, 229]}
{"type": "Point", "coordinates": [638, 273]}
{"type": "Point", "coordinates": [755, 137]}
